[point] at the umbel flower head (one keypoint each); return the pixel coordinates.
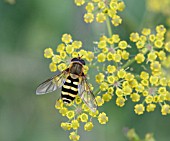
(100, 10)
(110, 60)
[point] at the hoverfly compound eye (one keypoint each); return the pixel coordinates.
(83, 62)
(74, 59)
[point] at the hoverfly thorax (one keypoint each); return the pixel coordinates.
(76, 69)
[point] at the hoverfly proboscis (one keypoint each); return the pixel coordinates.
(72, 82)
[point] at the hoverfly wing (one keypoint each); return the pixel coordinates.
(86, 95)
(51, 84)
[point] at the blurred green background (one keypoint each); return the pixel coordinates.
(26, 29)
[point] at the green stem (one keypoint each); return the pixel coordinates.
(109, 27)
(131, 61)
(128, 63)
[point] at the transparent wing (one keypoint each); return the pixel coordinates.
(86, 95)
(51, 84)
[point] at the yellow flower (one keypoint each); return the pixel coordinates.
(99, 100)
(145, 82)
(152, 56)
(119, 92)
(121, 73)
(79, 2)
(84, 117)
(165, 109)
(113, 4)
(139, 109)
(111, 69)
(155, 66)
(139, 88)
(59, 104)
(63, 111)
(66, 38)
(134, 37)
(66, 126)
(85, 68)
(74, 137)
(122, 44)
(140, 44)
(82, 53)
(60, 47)
(102, 44)
(144, 75)
(140, 58)
(88, 126)
(62, 66)
(106, 97)
(75, 124)
(101, 4)
(89, 56)
(74, 54)
(125, 55)
(53, 67)
(127, 90)
(129, 77)
(121, 6)
(117, 57)
(63, 54)
(110, 56)
(152, 37)
(100, 17)
(163, 81)
(146, 31)
(99, 77)
(149, 99)
(48, 53)
(88, 17)
(167, 46)
(77, 44)
(101, 57)
(120, 101)
(89, 7)
(70, 114)
(104, 86)
(93, 114)
(158, 43)
(102, 118)
(115, 38)
(150, 107)
(160, 29)
(56, 59)
(110, 90)
(162, 55)
(162, 90)
(116, 20)
(78, 100)
(69, 49)
(135, 97)
(111, 79)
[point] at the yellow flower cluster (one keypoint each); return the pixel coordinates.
(67, 50)
(112, 59)
(100, 10)
(81, 114)
(151, 87)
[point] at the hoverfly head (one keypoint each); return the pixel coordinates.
(78, 59)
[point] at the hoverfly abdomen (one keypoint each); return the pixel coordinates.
(70, 89)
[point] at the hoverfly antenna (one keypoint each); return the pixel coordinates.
(79, 57)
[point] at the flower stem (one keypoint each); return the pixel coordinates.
(109, 27)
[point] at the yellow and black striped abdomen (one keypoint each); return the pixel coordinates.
(69, 89)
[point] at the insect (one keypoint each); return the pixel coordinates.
(72, 82)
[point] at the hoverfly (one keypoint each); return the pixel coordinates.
(72, 82)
